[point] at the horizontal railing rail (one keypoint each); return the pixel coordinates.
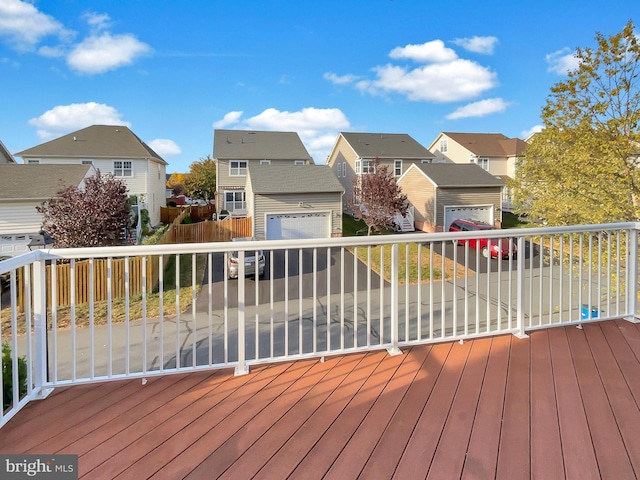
(299, 299)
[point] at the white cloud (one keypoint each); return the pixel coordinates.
(429, 52)
(23, 25)
(230, 118)
(165, 147)
(479, 109)
(63, 119)
(52, 52)
(444, 78)
(484, 45)
(439, 83)
(562, 61)
(317, 127)
(527, 133)
(339, 79)
(97, 21)
(100, 53)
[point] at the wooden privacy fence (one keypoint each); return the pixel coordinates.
(196, 212)
(82, 273)
(209, 231)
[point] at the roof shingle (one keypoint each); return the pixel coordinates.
(386, 145)
(267, 179)
(38, 182)
(257, 145)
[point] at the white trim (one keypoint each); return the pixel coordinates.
(395, 166)
(239, 168)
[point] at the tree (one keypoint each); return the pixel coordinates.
(200, 182)
(378, 198)
(584, 165)
(96, 215)
(176, 183)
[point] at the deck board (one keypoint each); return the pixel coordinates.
(563, 403)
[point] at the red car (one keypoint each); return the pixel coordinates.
(496, 247)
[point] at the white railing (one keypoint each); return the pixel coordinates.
(316, 298)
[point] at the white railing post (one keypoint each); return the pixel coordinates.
(520, 272)
(632, 276)
(242, 368)
(40, 329)
(394, 349)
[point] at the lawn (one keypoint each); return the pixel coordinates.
(351, 227)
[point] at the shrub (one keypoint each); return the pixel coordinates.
(7, 373)
(187, 219)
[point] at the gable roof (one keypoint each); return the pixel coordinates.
(489, 144)
(38, 182)
(111, 141)
(456, 175)
(258, 145)
(386, 145)
(267, 179)
(5, 155)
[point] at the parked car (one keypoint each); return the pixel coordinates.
(249, 261)
(496, 247)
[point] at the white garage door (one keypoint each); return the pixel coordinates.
(12, 245)
(482, 213)
(285, 226)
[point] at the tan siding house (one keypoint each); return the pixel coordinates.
(353, 152)
(443, 192)
(235, 150)
(111, 149)
(300, 202)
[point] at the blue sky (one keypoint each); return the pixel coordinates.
(173, 71)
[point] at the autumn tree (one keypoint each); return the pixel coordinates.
(378, 198)
(200, 182)
(92, 216)
(176, 183)
(584, 165)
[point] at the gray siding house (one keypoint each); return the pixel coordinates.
(294, 202)
(235, 150)
(443, 192)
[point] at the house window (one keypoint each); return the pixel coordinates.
(339, 170)
(299, 162)
(122, 168)
(238, 168)
(265, 162)
(344, 169)
(425, 160)
(234, 200)
(365, 166)
(397, 168)
(33, 162)
(87, 162)
(444, 145)
(484, 163)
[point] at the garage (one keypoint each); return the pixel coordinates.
(482, 213)
(285, 226)
(13, 245)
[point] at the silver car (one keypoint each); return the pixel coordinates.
(249, 261)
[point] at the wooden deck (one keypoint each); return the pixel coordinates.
(560, 404)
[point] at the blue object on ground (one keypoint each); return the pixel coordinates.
(585, 312)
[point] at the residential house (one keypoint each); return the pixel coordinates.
(235, 150)
(494, 152)
(294, 202)
(5, 155)
(111, 149)
(22, 188)
(443, 192)
(353, 154)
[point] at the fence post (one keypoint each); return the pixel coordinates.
(394, 349)
(632, 277)
(520, 272)
(40, 328)
(242, 368)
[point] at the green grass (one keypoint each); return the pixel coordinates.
(509, 220)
